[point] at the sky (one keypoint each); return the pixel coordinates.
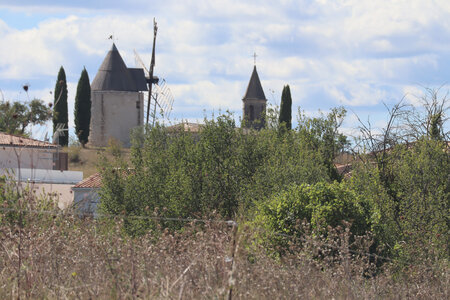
(360, 54)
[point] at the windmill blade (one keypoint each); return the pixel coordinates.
(163, 97)
(140, 63)
(59, 132)
(59, 127)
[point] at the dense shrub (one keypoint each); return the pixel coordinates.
(322, 134)
(422, 185)
(283, 160)
(320, 205)
(221, 169)
(280, 178)
(407, 196)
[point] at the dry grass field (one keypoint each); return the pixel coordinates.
(62, 257)
(86, 159)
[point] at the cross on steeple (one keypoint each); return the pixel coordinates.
(254, 58)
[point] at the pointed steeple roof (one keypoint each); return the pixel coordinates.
(254, 89)
(113, 74)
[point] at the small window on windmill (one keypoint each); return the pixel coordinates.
(138, 104)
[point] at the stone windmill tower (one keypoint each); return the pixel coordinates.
(117, 100)
(254, 103)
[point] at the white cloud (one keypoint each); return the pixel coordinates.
(413, 94)
(207, 93)
(352, 52)
(4, 28)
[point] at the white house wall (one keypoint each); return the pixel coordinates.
(29, 158)
(62, 193)
(43, 175)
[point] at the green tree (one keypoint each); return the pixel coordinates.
(406, 184)
(83, 108)
(286, 108)
(407, 199)
(16, 117)
(219, 170)
(421, 182)
(322, 135)
(435, 126)
(277, 161)
(60, 112)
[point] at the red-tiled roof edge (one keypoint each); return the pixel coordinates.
(20, 141)
(93, 181)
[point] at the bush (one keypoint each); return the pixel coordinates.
(74, 154)
(221, 170)
(278, 162)
(320, 205)
(407, 198)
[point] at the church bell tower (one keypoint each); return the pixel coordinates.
(254, 103)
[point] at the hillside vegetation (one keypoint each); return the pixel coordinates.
(254, 214)
(86, 159)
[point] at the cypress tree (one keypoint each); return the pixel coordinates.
(286, 108)
(83, 108)
(60, 112)
(435, 124)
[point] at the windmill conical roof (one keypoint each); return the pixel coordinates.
(254, 89)
(113, 74)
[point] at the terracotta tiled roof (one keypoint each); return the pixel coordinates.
(19, 141)
(93, 181)
(344, 170)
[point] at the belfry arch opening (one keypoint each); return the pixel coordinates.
(251, 113)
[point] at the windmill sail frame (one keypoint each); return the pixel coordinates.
(158, 90)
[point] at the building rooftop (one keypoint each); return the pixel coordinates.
(186, 126)
(254, 89)
(10, 140)
(93, 181)
(113, 75)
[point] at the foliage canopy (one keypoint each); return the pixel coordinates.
(15, 117)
